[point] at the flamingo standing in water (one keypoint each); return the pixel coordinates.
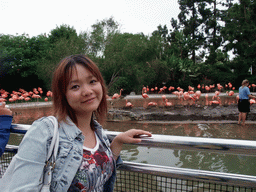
(116, 96)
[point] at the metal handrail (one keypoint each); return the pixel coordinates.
(244, 147)
(191, 174)
(233, 146)
(181, 173)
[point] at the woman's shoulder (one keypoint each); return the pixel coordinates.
(42, 126)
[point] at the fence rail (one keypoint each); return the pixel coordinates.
(146, 177)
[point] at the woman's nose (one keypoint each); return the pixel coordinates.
(86, 90)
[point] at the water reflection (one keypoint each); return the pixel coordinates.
(211, 130)
(190, 159)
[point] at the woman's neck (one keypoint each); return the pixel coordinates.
(84, 122)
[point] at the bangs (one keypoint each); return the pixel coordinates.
(69, 71)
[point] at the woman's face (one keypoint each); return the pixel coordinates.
(84, 91)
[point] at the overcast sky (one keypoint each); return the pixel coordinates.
(36, 17)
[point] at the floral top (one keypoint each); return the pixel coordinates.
(96, 168)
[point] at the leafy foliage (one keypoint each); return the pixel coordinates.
(190, 53)
(239, 33)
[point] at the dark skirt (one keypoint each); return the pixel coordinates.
(243, 105)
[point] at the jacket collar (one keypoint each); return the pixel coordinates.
(70, 129)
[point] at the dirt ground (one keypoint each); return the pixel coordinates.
(181, 113)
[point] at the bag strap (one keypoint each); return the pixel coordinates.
(53, 149)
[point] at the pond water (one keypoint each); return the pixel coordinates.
(181, 158)
(190, 159)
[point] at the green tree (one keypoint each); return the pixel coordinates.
(19, 58)
(21, 54)
(211, 12)
(239, 35)
(64, 41)
(130, 57)
(190, 22)
(101, 34)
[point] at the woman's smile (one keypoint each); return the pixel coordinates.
(88, 100)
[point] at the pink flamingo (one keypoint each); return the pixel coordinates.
(116, 96)
(219, 86)
(49, 94)
(216, 95)
(144, 90)
(252, 101)
(144, 95)
(207, 88)
(218, 101)
(230, 93)
(2, 100)
(161, 90)
(198, 94)
(128, 104)
(152, 104)
(168, 104)
(187, 96)
(206, 99)
(11, 100)
(237, 98)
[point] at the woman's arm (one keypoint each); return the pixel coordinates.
(30, 159)
(251, 96)
(131, 136)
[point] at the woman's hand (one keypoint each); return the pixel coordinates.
(4, 110)
(130, 136)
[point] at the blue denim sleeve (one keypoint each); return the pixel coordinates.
(5, 125)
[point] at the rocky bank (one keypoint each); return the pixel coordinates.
(180, 113)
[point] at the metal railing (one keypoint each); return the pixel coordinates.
(145, 177)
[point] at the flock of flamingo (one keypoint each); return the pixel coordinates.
(191, 94)
(23, 95)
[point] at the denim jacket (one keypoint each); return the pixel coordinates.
(31, 156)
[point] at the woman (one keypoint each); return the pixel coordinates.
(86, 160)
(5, 125)
(243, 102)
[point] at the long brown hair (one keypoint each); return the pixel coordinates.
(60, 81)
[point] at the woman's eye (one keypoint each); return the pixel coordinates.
(93, 81)
(74, 87)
